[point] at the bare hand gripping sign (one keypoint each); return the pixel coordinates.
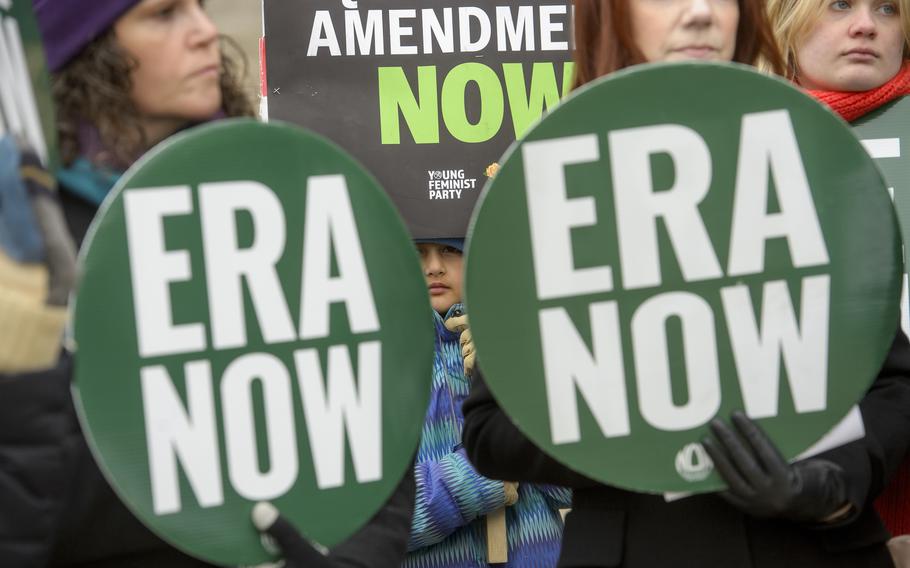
(425, 94)
(736, 250)
(252, 325)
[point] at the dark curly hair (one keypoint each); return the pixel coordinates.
(94, 88)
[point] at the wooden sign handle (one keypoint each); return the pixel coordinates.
(497, 539)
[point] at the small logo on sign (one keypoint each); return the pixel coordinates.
(448, 184)
(693, 462)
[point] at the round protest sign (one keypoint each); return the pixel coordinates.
(885, 133)
(252, 324)
(669, 245)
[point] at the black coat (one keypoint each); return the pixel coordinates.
(57, 510)
(617, 528)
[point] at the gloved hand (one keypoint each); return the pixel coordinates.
(762, 484)
(459, 324)
(37, 263)
(297, 551)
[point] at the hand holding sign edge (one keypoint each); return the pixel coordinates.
(761, 483)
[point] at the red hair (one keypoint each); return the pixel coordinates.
(604, 42)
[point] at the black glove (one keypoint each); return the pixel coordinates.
(297, 551)
(381, 543)
(761, 483)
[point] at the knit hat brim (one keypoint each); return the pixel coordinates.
(454, 243)
(67, 26)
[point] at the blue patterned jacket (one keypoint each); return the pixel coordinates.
(449, 529)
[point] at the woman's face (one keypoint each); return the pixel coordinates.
(442, 268)
(175, 46)
(856, 45)
(678, 30)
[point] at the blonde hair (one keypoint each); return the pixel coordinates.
(792, 20)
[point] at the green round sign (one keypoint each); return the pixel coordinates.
(671, 244)
(251, 325)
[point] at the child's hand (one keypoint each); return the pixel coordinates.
(511, 491)
(459, 324)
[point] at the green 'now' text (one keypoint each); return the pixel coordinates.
(421, 113)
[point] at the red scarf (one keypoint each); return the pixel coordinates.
(854, 105)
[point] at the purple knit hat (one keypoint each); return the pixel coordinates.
(67, 26)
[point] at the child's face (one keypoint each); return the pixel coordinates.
(442, 266)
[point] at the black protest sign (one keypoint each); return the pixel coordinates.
(426, 95)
